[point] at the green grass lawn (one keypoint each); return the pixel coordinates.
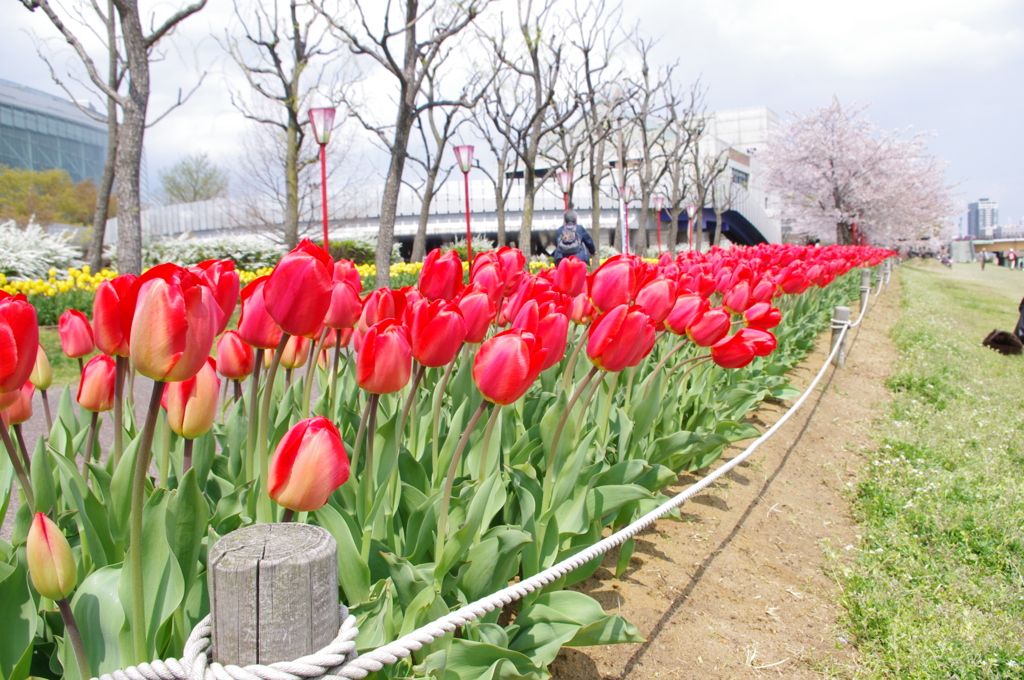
(937, 590)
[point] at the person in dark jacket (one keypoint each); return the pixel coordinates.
(572, 240)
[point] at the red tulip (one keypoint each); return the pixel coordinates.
(50, 561)
(19, 342)
(762, 341)
(384, 361)
(296, 350)
(549, 325)
(733, 352)
(255, 326)
(441, 276)
(764, 290)
(96, 390)
(762, 315)
(111, 328)
(21, 410)
(221, 277)
(489, 274)
(620, 338)
(737, 298)
(298, 292)
(530, 288)
(687, 310)
(235, 359)
(191, 404)
(345, 270)
(507, 364)
(513, 267)
(345, 306)
(710, 328)
(580, 310)
(309, 464)
(657, 297)
(174, 323)
(478, 311)
(613, 283)
(75, 334)
(437, 331)
(8, 399)
(571, 276)
(379, 305)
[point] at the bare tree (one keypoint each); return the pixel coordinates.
(406, 53)
(723, 193)
(502, 179)
(707, 163)
(676, 150)
(134, 105)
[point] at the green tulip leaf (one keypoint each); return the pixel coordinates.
(188, 515)
(92, 520)
(353, 573)
(42, 479)
(100, 617)
(468, 660)
(18, 613)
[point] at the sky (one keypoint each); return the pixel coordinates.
(948, 67)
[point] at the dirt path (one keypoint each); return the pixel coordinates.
(739, 589)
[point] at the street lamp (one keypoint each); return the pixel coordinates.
(464, 156)
(626, 194)
(691, 212)
(565, 184)
(322, 121)
(659, 205)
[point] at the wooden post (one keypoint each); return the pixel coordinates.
(273, 593)
(888, 270)
(840, 320)
(865, 287)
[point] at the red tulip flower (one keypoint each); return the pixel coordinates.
(687, 311)
(507, 364)
(733, 352)
(191, 404)
(235, 359)
(762, 341)
(296, 350)
(478, 311)
(379, 305)
(345, 270)
(174, 323)
(549, 325)
(255, 327)
(657, 297)
(613, 283)
(384, 361)
(8, 399)
(762, 315)
(346, 306)
(513, 267)
(620, 338)
(580, 310)
(221, 277)
(21, 410)
(441, 276)
(571, 276)
(75, 334)
(298, 292)
(712, 327)
(764, 290)
(737, 299)
(437, 331)
(309, 464)
(111, 328)
(19, 342)
(96, 390)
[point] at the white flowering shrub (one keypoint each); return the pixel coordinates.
(249, 251)
(31, 252)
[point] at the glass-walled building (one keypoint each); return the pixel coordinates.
(39, 131)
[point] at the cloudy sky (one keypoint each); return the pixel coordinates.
(951, 67)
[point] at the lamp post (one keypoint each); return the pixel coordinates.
(565, 184)
(691, 212)
(464, 156)
(322, 121)
(626, 194)
(659, 205)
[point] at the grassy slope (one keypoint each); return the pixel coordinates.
(938, 590)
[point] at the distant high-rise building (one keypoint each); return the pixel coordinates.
(982, 217)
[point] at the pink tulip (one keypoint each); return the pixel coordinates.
(96, 389)
(384, 361)
(308, 465)
(298, 292)
(191, 404)
(75, 334)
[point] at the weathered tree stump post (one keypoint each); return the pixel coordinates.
(865, 287)
(840, 320)
(273, 593)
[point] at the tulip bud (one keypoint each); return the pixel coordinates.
(96, 389)
(191, 404)
(737, 298)
(384, 361)
(581, 311)
(478, 311)
(732, 352)
(507, 364)
(571, 276)
(710, 328)
(50, 562)
(174, 324)
(657, 297)
(441, 276)
(255, 327)
(235, 359)
(298, 292)
(42, 373)
(222, 279)
(762, 315)
(613, 283)
(345, 306)
(437, 332)
(296, 350)
(513, 267)
(21, 410)
(309, 464)
(687, 310)
(111, 320)
(620, 338)
(75, 334)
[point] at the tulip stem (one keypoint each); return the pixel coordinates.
(186, 457)
(487, 441)
(333, 383)
(90, 445)
(138, 620)
(705, 358)
(437, 413)
(46, 411)
(24, 449)
(368, 476)
(359, 436)
(237, 390)
(81, 368)
(268, 395)
(449, 482)
(120, 368)
(75, 636)
(570, 368)
(606, 410)
(19, 469)
(661, 364)
(287, 515)
(556, 439)
(417, 376)
(254, 393)
(223, 401)
(287, 378)
(586, 400)
(307, 388)
(163, 462)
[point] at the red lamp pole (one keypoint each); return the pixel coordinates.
(464, 156)
(322, 121)
(659, 205)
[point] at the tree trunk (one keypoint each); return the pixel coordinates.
(526, 224)
(640, 242)
(291, 183)
(673, 230)
(100, 214)
(717, 238)
(596, 168)
(844, 234)
(419, 242)
(499, 208)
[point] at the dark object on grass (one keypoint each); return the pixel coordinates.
(1003, 342)
(1019, 330)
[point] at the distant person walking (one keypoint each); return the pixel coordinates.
(572, 240)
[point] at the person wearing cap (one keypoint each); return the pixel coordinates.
(572, 240)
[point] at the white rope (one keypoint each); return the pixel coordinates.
(340, 659)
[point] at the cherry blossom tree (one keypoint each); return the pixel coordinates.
(837, 170)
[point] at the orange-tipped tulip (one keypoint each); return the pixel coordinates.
(50, 562)
(308, 465)
(620, 338)
(21, 410)
(191, 404)
(507, 364)
(235, 359)
(295, 352)
(174, 323)
(111, 319)
(75, 334)
(96, 390)
(42, 373)
(298, 292)
(384, 361)
(19, 338)
(255, 326)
